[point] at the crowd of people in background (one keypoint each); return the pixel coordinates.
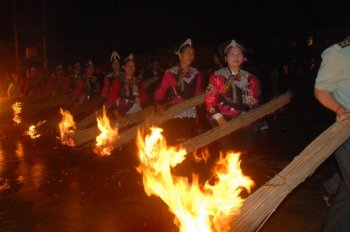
(126, 86)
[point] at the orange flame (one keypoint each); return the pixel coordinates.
(207, 207)
(67, 128)
(17, 108)
(107, 136)
(32, 132)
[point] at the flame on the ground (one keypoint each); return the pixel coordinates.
(32, 131)
(17, 108)
(67, 128)
(197, 207)
(108, 134)
(201, 156)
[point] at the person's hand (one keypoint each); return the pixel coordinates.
(222, 122)
(219, 118)
(342, 114)
(212, 110)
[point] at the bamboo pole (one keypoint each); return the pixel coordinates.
(158, 119)
(5, 104)
(88, 134)
(8, 99)
(122, 122)
(260, 205)
(236, 123)
(85, 122)
(29, 108)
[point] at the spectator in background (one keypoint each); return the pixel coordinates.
(152, 77)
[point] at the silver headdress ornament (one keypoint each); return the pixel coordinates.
(130, 57)
(187, 42)
(114, 56)
(233, 43)
(76, 65)
(88, 63)
(59, 66)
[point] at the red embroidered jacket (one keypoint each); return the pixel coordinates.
(124, 93)
(231, 94)
(177, 86)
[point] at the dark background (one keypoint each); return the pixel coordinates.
(82, 30)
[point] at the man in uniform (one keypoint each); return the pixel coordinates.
(332, 90)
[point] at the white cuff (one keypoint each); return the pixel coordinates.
(217, 116)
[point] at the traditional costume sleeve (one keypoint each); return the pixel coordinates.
(78, 91)
(50, 85)
(113, 95)
(254, 91)
(216, 83)
(67, 84)
(198, 84)
(168, 81)
(106, 87)
(143, 94)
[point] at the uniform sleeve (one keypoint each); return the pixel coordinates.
(331, 67)
(168, 81)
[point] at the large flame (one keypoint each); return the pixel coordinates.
(32, 132)
(207, 207)
(67, 128)
(17, 108)
(107, 136)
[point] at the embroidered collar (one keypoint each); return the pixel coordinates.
(181, 74)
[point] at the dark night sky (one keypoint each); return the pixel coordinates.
(100, 26)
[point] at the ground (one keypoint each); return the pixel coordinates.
(45, 186)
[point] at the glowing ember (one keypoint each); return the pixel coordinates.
(207, 207)
(32, 132)
(67, 128)
(107, 136)
(17, 108)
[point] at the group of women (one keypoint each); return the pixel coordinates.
(230, 91)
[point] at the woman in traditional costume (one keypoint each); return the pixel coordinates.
(231, 90)
(127, 95)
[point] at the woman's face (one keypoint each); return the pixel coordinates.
(115, 66)
(77, 70)
(235, 57)
(130, 68)
(90, 70)
(187, 56)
